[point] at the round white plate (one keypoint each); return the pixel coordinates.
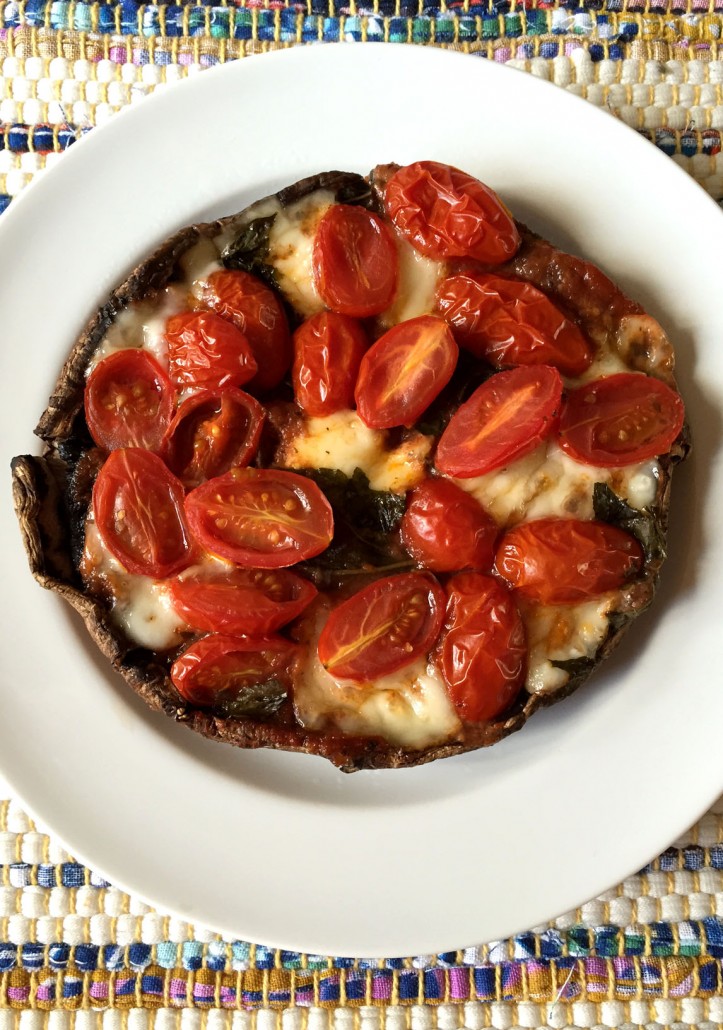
(283, 849)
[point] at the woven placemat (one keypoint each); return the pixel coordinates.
(77, 952)
(645, 953)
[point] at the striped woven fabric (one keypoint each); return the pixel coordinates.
(649, 950)
(77, 952)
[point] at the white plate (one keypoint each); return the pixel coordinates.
(284, 849)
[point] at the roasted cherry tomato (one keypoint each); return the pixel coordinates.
(564, 561)
(328, 349)
(383, 627)
(204, 350)
(261, 518)
(138, 509)
(509, 322)
(403, 372)
(482, 654)
(445, 213)
(355, 261)
(219, 669)
(253, 308)
(620, 420)
(128, 401)
(504, 419)
(445, 529)
(211, 433)
(231, 600)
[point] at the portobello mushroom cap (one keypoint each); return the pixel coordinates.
(52, 491)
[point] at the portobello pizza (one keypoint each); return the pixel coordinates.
(369, 470)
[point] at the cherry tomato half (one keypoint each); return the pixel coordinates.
(128, 401)
(138, 509)
(219, 668)
(620, 420)
(253, 308)
(328, 349)
(482, 654)
(204, 350)
(403, 372)
(355, 261)
(510, 322)
(261, 518)
(504, 419)
(445, 529)
(211, 433)
(565, 561)
(232, 600)
(383, 627)
(446, 213)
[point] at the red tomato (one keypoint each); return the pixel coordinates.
(128, 401)
(355, 261)
(383, 627)
(510, 322)
(483, 651)
(445, 529)
(219, 668)
(404, 371)
(565, 561)
(620, 420)
(504, 419)
(204, 350)
(445, 213)
(232, 600)
(211, 433)
(253, 308)
(328, 349)
(261, 518)
(138, 509)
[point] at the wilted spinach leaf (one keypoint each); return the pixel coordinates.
(608, 507)
(260, 701)
(250, 250)
(576, 668)
(363, 521)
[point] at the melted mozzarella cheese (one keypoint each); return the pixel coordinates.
(291, 244)
(417, 283)
(560, 633)
(549, 483)
(142, 606)
(409, 707)
(143, 325)
(342, 441)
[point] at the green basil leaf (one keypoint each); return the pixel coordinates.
(249, 251)
(639, 522)
(259, 701)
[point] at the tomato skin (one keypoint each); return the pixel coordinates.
(206, 351)
(445, 529)
(256, 311)
(328, 349)
(245, 601)
(138, 509)
(509, 322)
(128, 401)
(566, 561)
(212, 432)
(355, 261)
(506, 417)
(482, 654)
(446, 213)
(218, 667)
(403, 372)
(383, 627)
(620, 420)
(261, 518)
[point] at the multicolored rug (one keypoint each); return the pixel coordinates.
(74, 950)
